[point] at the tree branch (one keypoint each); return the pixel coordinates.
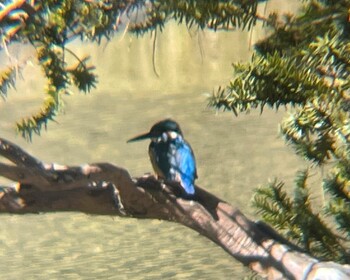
(105, 189)
(6, 9)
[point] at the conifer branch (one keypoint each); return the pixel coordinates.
(296, 220)
(7, 80)
(50, 25)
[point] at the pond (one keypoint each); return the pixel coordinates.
(234, 156)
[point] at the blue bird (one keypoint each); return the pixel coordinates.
(171, 156)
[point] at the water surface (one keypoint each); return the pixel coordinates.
(234, 156)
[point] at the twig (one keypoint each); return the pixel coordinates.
(154, 53)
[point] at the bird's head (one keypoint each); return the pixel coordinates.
(164, 128)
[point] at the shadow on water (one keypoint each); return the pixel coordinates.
(233, 154)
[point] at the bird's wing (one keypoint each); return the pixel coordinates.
(185, 167)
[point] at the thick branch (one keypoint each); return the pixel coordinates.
(103, 188)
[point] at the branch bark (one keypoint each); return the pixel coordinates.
(105, 189)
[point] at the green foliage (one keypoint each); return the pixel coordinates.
(269, 80)
(294, 217)
(207, 14)
(50, 25)
(7, 80)
(337, 184)
(304, 65)
(34, 124)
(82, 75)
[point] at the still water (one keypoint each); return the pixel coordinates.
(234, 156)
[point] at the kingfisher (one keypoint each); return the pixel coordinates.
(171, 156)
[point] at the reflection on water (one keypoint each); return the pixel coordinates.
(233, 154)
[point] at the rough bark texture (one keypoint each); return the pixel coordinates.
(105, 189)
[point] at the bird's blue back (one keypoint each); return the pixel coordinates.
(173, 159)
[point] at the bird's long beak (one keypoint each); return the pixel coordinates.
(140, 137)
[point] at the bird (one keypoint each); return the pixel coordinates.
(171, 155)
